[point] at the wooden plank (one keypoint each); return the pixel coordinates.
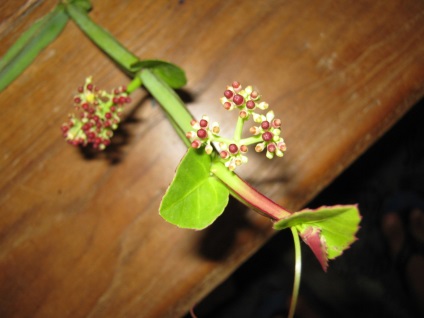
(80, 235)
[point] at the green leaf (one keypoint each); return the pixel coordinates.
(168, 72)
(327, 230)
(195, 198)
(22, 41)
(30, 43)
(83, 4)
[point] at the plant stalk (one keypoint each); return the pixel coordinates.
(297, 272)
(245, 193)
(102, 38)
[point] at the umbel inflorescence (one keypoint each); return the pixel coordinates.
(265, 134)
(98, 113)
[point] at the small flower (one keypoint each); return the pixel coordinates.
(215, 128)
(98, 113)
(208, 148)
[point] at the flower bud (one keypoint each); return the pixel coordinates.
(196, 144)
(260, 147)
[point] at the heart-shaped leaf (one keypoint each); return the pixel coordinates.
(328, 231)
(195, 198)
(168, 72)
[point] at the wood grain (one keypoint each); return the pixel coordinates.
(80, 234)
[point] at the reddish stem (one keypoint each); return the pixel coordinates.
(247, 194)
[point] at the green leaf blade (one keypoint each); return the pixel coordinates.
(195, 199)
(30, 44)
(328, 231)
(83, 4)
(22, 41)
(170, 73)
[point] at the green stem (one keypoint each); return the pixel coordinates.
(168, 99)
(251, 140)
(221, 139)
(177, 129)
(102, 38)
(239, 129)
(297, 272)
(134, 84)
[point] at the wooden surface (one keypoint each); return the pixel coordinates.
(80, 234)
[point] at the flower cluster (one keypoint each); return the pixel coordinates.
(232, 151)
(269, 130)
(97, 115)
(204, 133)
(245, 100)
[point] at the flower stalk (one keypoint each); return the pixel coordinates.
(244, 192)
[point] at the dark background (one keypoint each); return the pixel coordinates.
(364, 282)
